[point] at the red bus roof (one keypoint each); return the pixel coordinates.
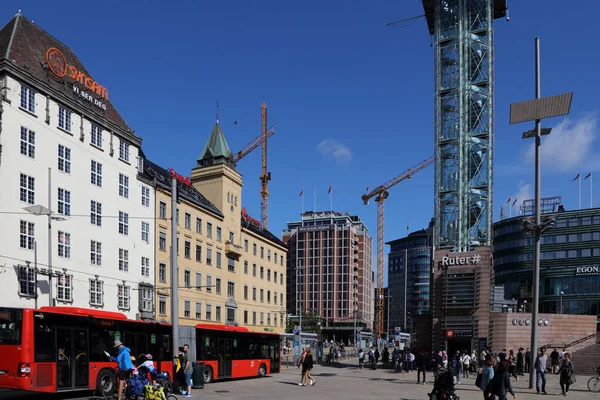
(87, 312)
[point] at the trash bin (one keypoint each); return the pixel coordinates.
(198, 375)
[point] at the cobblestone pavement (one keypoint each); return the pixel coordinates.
(347, 382)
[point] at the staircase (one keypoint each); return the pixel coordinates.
(587, 359)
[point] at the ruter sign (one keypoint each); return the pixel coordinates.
(59, 67)
(453, 259)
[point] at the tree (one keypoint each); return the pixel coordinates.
(310, 323)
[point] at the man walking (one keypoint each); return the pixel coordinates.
(123, 358)
(187, 369)
(421, 365)
(540, 371)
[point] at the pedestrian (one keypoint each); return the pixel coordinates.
(466, 364)
(123, 359)
(361, 358)
(301, 364)
(187, 369)
(487, 374)
(456, 365)
(520, 360)
(437, 362)
(540, 370)
(376, 356)
(567, 375)
(307, 366)
(500, 385)
(512, 364)
(527, 360)
(554, 361)
(421, 365)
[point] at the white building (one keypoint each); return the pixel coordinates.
(55, 117)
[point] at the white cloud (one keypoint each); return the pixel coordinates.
(568, 148)
(524, 192)
(338, 151)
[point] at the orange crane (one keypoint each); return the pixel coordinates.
(381, 193)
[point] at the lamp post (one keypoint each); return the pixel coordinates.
(561, 303)
(536, 110)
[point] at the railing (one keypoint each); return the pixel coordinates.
(290, 360)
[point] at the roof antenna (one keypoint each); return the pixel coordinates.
(217, 111)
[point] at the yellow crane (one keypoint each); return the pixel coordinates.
(381, 193)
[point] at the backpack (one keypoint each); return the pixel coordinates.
(136, 385)
(478, 380)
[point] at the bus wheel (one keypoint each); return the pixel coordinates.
(106, 383)
(262, 371)
(208, 374)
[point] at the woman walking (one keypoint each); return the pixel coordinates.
(567, 377)
(308, 366)
(512, 364)
(500, 385)
(487, 374)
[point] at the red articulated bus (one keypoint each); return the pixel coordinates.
(61, 349)
(236, 352)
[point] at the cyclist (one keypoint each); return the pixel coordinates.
(123, 358)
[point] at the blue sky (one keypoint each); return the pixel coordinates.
(351, 99)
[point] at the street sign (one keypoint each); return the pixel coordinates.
(397, 329)
(296, 331)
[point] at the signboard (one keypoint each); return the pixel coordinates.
(313, 228)
(449, 333)
(454, 259)
(248, 218)
(547, 205)
(588, 270)
(397, 329)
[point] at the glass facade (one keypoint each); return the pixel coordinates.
(569, 266)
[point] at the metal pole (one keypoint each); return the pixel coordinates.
(35, 265)
(405, 285)
(388, 316)
(536, 259)
(50, 294)
(174, 269)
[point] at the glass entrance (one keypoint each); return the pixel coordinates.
(274, 356)
(72, 362)
(224, 355)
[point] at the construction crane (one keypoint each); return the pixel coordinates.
(265, 177)
(252, 145)
(381, 193)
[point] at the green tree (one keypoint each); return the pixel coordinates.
(310, 323)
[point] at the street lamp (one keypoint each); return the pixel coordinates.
(561, 303)
(536, 110)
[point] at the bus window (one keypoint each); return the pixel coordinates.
(44, 345)
(165, 348)
(100, 341)
(11, 321)
(208, 348)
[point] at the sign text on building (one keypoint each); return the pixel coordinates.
(452, 259)
(248, 218)
(588, 270)
(183, 179)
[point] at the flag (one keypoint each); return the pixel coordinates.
(577, 177)
(301, 192)
(502, 212)
(587, 176)
(329, 191)
(508, 201)
(368, 187)
(514, 202)
(235, 122)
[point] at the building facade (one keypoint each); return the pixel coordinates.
(329, 269)
(409, 278)
(231, 269)
(76, 221)
(569, 265)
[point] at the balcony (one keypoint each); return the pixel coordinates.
(233, 250)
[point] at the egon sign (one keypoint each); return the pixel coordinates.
(59, 67)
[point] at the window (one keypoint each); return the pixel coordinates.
(27, 281)
(162, 272)
(145, 232)
(281, 260)
(96, 173)
(162, 241)
(275, 258)
(27, 193)
(176, 215)
(162, 305)
(146, 299)
(187, 251)
(218, 233)
(231, 237)
(123, 294)
(254, 270)
(269, 274)
(218, 314)
(230, 315)
(27, 238)
(245, 292)
(27, 142)
(208, 283)
(95, 252)
(209, 256)
(253, 317)
(246, 267)
(246, 245)
(95, 213)
(275, 276)
(280, 298)
(275, 297)
(64, 286)
(208, 312)
(145, 196)
(281, 278)
(253, 248)
(64, 202)
(96, 292)
(198, 253)
(218, 285)
(188, 221)
(262, 252)
(262, 272)
(124, 151)
(186, 309)
(246, 317)
(123, 223)
(163, 210)
(262, 318)
(268, 255)
(269, 319)
(230, 289)
(269, 296)
(254, 293)
(198, 310)
(96, 136)
(218, 259)
(64, 244)
(123, 186)
(27, 98)
(145, 266)
(187, 278)
(198, 281)
(209, 229)
(64, 118)
(262, 295)
(230, 264)
(123, 260)
(198, 225)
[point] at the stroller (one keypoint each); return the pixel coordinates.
(443, 387)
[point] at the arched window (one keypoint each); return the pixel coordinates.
(228, 197)
(235, 200)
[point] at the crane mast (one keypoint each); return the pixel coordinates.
(381, 193)
(265, 176)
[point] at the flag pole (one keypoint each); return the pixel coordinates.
(580, 192)
(591, 192)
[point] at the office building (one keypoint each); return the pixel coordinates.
(329, 261)
(76, 221)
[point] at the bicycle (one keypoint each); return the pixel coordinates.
(150, 391)
(594, 382)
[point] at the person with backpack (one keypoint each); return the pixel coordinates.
(123, 359)
(485, 376)
(500, 384)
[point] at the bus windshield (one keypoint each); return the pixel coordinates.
(11, 321)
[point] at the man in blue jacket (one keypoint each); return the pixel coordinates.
(123, 358)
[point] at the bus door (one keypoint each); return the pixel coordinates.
(224, 356)
(274, 356)
(72, 361)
